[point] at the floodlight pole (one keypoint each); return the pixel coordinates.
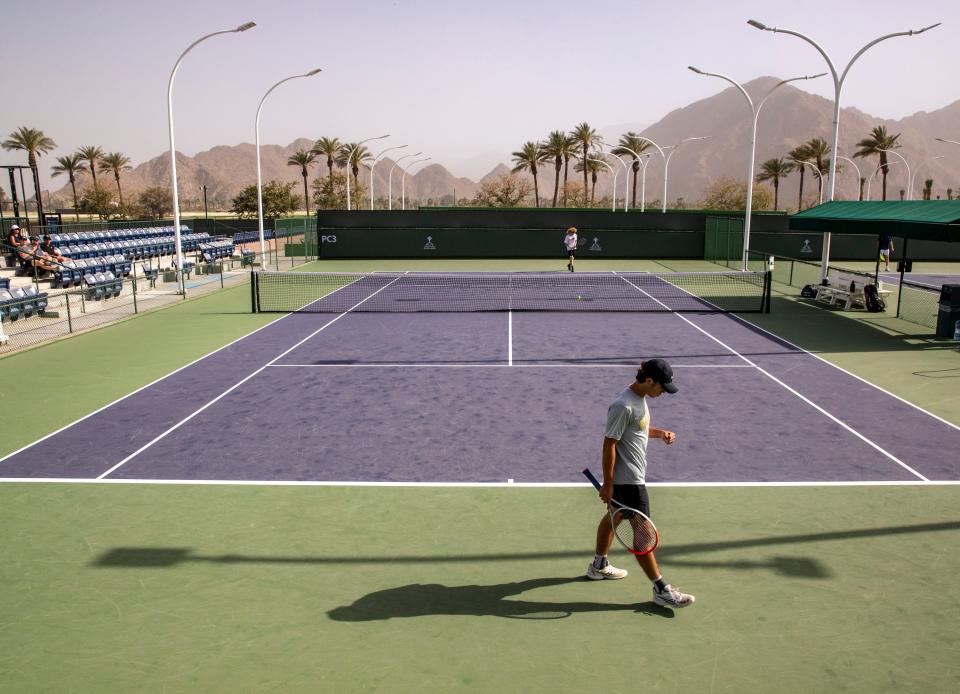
(403, 181)
(755, 112)
(375, 160)
(666, 164)
(913, 183)
(390, 178)
(837, 87)
(350, 162)
(643, 177)
(626, 187)
(613, 207)
(173, 151)
(819, 175)
(854, 165)
(874, 175)
(263, 250)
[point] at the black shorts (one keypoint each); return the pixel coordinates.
(570, 252)
(634, 496)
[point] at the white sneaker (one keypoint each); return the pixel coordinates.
(671, 597)
(608, 571)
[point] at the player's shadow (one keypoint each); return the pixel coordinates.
(422, 600)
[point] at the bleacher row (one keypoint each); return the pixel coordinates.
(22, 301)
(136, 249)
(72, 272)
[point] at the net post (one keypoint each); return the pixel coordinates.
(767, 286)
(253, 292)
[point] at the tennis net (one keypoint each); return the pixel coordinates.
(412, 292)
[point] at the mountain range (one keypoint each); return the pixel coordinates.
(789, 118)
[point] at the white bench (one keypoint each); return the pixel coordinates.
(847, 288)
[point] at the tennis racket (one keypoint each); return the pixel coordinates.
(638, 534)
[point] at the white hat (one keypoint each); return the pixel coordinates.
(14, 226)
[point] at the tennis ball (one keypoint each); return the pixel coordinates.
(578, 297)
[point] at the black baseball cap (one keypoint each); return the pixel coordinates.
(659, 370)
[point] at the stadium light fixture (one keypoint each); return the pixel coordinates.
(350, 157)
(178, 251)
(837, 87)
(263, 250)
(755, 113)
(390, 177)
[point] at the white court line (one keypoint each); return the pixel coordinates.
(466, 485)
(510, 338)
(840, 368)
(807, 400)
(152, 383)
(631, 365)
(241, 382)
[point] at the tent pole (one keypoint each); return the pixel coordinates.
(903, 269)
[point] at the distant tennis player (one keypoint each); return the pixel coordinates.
(570, 241)
(624, 472)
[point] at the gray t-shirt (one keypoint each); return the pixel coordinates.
(628, 421)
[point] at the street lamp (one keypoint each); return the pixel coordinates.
(613, 207)
(626, 176)
(263, 252)
(403, 181)
(643, 178)
(666, 163)
(952, 142)
(375, 160)
(854, 165)
(819, 175)
(909, 175)
(874, 175)
(390, 178)
(837, 86)
(914, 181)
(350, 161)
(755, 112)
(173, 152)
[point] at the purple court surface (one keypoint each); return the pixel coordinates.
(490, 397)
(931, 282)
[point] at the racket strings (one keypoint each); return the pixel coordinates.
(636, 533)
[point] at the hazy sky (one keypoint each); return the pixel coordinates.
(467, 82)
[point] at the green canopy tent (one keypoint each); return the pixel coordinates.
(929, 220)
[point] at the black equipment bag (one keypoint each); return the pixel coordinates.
(872, 299)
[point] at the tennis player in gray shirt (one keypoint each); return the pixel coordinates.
(624, 472)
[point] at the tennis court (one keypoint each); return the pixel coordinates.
(390, 499)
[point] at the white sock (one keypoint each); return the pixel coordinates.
(600, 561)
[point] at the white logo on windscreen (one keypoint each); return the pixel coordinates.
(428, 246)
(328, 239)
(806, 247)
(596, 244)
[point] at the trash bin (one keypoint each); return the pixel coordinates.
(949, 312)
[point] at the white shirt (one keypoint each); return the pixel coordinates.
(570, 241)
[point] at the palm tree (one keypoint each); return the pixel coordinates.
(594, 167)
(115, 162)
(774, 170)
(529, 158)
(928, 189)
(800, 153)
(557, 147)
(632, 141)
(878, 141)
(585, 138)
(353, 155)
(34, 142)
(329, 147)
(92, 155)
(70, 164)
(818, 150)
(303, 159)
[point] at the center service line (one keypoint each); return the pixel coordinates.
(509, 338)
